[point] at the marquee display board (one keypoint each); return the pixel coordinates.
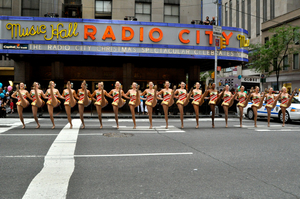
(66, 36)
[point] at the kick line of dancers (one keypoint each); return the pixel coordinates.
(83, 97)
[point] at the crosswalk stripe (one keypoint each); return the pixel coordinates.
(59, 164)
(12, 123)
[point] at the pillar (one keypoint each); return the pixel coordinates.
(194, 75)
(157, 13)
(57, 74)
(88, 9)
(127, 76)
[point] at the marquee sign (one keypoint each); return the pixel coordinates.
(117, 38)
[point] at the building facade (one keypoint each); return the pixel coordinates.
(255, 16)
(289, 76)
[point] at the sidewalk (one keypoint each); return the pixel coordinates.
(94, 114)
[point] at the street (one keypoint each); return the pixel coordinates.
(223, 162)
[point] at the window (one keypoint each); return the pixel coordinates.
(226, 14)
(171, 13)
(103, 6)
(30, 8)
(272, 9)
(143, 11)
(230, 12)
(5, 7)
(257, 17)
(266, 41)
(285, 62)
(249, 17)
(296, 36)
(243, 14)
(265, 16)
(237, 13)
(296, 61)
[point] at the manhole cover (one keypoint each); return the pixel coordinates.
(118, 135)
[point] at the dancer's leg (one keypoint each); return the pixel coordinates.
(38, 101)
(150, 115)
(283, 116)
(54, 100)
(132, 107)
(99, 111)
(68, 111)
(72, 101)
(291, 98)
(226, 115)
(81, 110)
(180, 107)
(165, 107)
(241, 116)
(212, 108)
(50, 111)
(154, 101)
(196, 108)
(116, 109)
(20, 111)
(86, 100)
(255, 115)
(24, 103)
(34, 112)
(269, 115)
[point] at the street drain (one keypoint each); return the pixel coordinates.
(118, 135)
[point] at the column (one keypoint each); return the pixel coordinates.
(194, 75)
(88, 9)
(57, 74)
(157, 13)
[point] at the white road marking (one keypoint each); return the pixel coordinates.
(28, 134)
(133, 155)
(135, 132)
(11, 123)
(175, 131)
(53, 180)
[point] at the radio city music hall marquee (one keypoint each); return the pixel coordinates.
(117, 38)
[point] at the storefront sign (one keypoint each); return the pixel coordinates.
(111, 36)
(15, 46)
(251, 79)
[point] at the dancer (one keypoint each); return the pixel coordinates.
(286, 101)
(22, 103)
(69, 94)
(134, 100)
(271, 103)
(243, 102)
(228, 100)
(151, 100)
(214, 99)
(52, 93)
(84, 100)
(168, 99)
(183, 99)
(117, 94)
(37, 102)
(198, 100)
(101, 102)
(257, 100)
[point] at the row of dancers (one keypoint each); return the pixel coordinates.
(84, 97)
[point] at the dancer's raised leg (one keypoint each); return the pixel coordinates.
(54, 100)
(72, 101)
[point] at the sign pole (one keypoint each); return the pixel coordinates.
(216, 55)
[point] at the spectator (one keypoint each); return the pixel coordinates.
(11, 104)
(140, 108)
(207, 22)
(213, 21)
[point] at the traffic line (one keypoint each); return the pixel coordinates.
(59, 164)
(132, 155)
(10, 123)
(28, 134)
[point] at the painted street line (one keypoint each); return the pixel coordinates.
(133, 155)
(59, 164)
(28, 134)
(11, 123)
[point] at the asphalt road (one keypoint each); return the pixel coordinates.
(223, 162)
